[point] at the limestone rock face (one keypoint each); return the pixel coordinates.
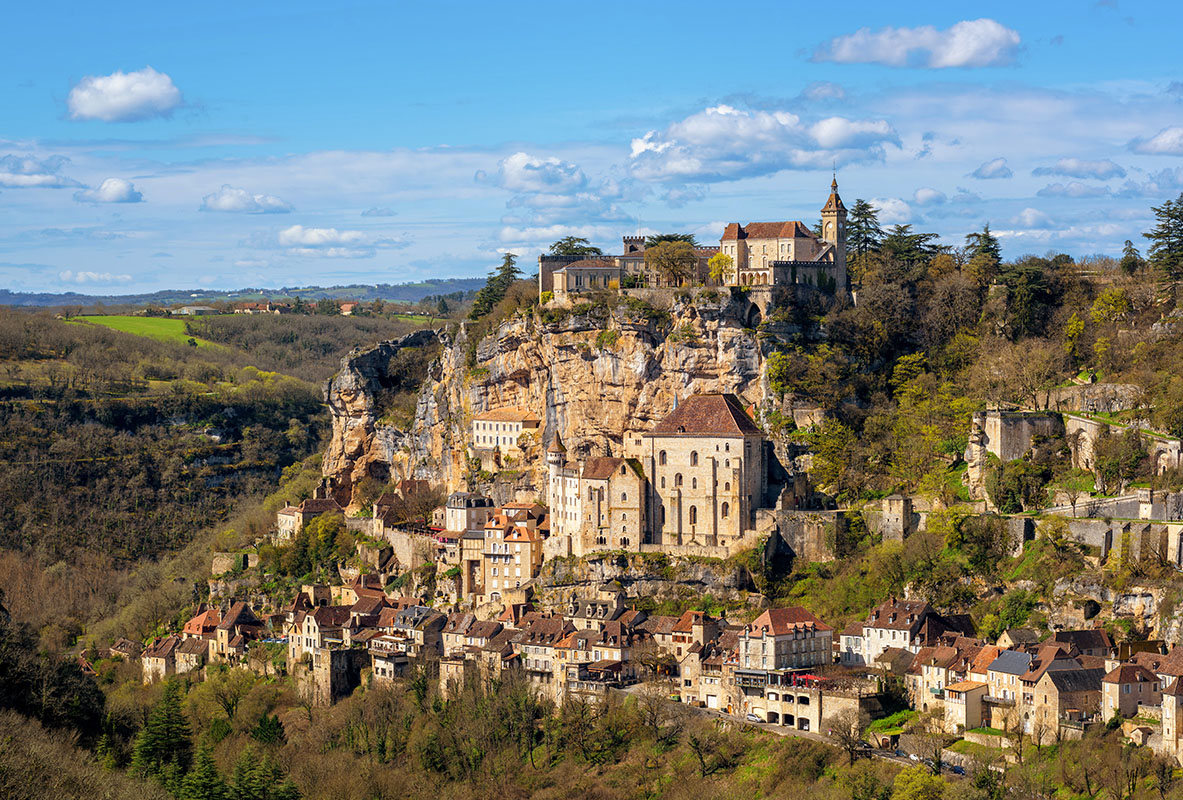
(590, 375)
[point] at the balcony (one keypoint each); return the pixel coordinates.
(998, 701)
(936, 692)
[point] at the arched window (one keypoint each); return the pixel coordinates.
(661, 458)
(694, 458)
(693, 515)
(678, 479)
(624, 497)
(727, 486)
(725, 510)
(694, 483)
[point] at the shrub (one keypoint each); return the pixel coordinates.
(607, 339)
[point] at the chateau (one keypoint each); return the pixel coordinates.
(763, 254)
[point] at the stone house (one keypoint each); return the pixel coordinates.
(514, 537)
(202, 626)
(1065, 694)
(125, 649)
(237, 629)
(191, 655)
(894, 623)
(454, 636)
(421, 631)
(324, 626)
(595, 503)
(160, 660)
(1171, 742)
(535, 646)
(290, 519)
(1125, 689)
(1093, 642)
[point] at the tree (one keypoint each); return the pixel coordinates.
(722, 268)
(673, 261)
(1131, 259)
(846, 729)
(496, 285)
(574, 246)
(1111, 306)
(1166, 243)
(203, 782)
(163, 747)
(917, 783)
(661, 238)
(863, 234)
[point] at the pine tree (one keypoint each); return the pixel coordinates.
(1166, 243)
(496, 285)
(163, 747)
(863, 234)
(985, 254)
(1131, 259)
(203, 781)
(260, 779)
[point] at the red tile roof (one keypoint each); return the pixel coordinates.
(784, 621)
(792, 229)
(1130, 673)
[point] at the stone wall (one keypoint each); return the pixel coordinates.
(810, 535)
(1095, 398)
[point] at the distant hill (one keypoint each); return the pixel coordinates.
(398, 292)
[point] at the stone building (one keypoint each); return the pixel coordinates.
(707, 473)
(1125, 689)
(513, 542)
(596, 503)
(290, 519)
(501, 428)
(785, 638)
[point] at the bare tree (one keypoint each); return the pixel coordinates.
(847, 728)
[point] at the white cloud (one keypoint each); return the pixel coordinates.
(83, 276)
(26, 172)
(965, 196)
(1078, 168)
(111, 190)
(1073, 189)
(376, 211)
(970, 43)
(522, 172)
(1032, 218)
(996, 168)
(725, 143)
(1167, 142)
(1163, 182)
(251, 263)
(925, 196)
(299, 236)
(239, 201)
(892, 210)
(124, 96)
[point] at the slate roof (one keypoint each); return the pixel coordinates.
(193, 647)
(239, 614)
(1093, 639)
(332, 616)
(711, 414)
(906, 614)
(1011, 662)
(1077, 680)
(601, 468)
(162, 648)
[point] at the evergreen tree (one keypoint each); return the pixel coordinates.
(163, 747)
(1166, 242)
(203, 781)
(984, 254)
(260, 779)
(496, 285)
(863, 234)
(1131, 259)
(575, 246)
(653, 241)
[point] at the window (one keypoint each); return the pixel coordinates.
(678, 479)
(693, 515)
(661, 458)
(624, 497)
(727, 486)
(694, 458)
(694, 483)
(726, 510)
(662, 481)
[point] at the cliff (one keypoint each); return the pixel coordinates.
(591, 373)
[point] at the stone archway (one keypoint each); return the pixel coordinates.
(754, 317)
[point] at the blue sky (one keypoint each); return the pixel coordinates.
(145, 146)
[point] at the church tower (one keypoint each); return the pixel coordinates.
(834, 232)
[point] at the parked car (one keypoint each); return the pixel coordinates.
(957, 769)
(753, 718)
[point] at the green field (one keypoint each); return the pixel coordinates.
(163, 329)
(420, 318)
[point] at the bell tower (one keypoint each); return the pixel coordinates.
(834, 232)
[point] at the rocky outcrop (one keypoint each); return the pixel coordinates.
(649, 576)
(591, 373)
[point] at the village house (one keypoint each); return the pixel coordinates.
(290, 519)
(535, 645)
(321, 627)
(1125, 689)
(514, 537)
(237, 629)
(1094, 642)
(191, 655)
(501, 429)
(203, 626)
(1065, 696)
(963, 705)
(125, 649)
(785, 639)
(894, 623)
(160, 660)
